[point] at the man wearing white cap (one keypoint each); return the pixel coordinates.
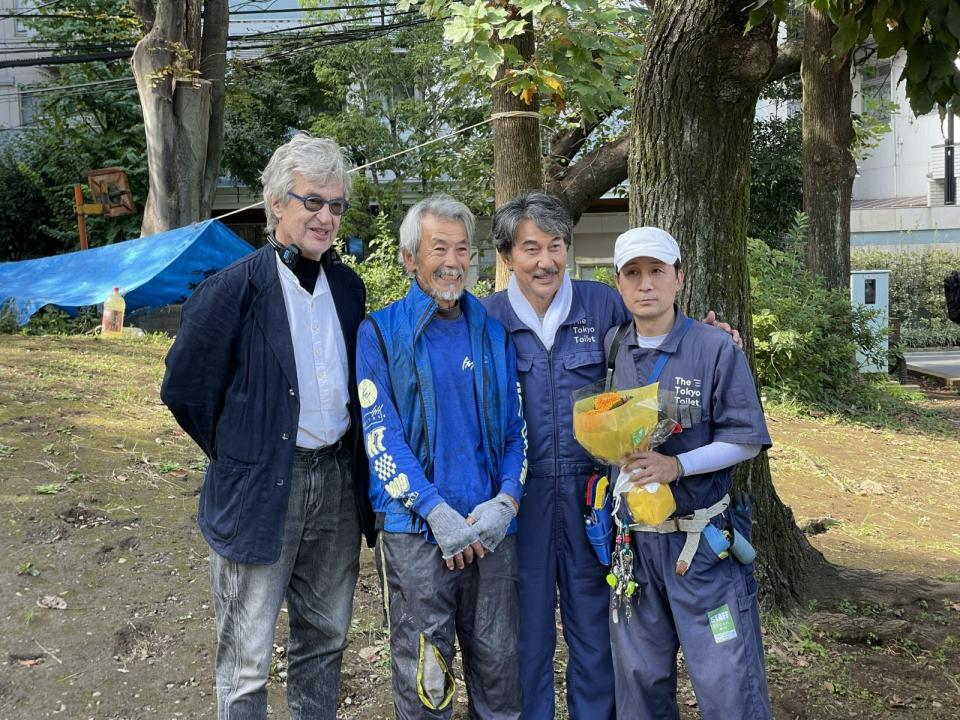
(694, 590)
(557, 326)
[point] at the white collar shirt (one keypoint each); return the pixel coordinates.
(321, 357)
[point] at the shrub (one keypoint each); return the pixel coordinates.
(384, 276)
(916, 292)
(805, 336)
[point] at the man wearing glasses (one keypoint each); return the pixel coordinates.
(261, 376)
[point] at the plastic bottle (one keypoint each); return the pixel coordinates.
(113, 309)
(650, 504)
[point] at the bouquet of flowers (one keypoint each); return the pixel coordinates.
(610, 424)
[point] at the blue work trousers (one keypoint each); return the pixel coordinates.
(554, 553)
(711, 612)
(316, 573)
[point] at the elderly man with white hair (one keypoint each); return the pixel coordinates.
(446, 441)
(261, 377)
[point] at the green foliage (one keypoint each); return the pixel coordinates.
(776, 178)
(23, 212)
(928, 30)
(79, 128)
(384, 276)
(392, 93)
(264, 100)
(587, 50)
(805, 337)
(606, 276)
(49, 489)
(49, 320)
(916, 292)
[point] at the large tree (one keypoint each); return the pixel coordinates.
(179, 66)
(927, 30)
(695, 102)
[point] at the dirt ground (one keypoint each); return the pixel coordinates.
(104, 596)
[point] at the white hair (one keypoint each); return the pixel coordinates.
(318, 160)
(440, 206)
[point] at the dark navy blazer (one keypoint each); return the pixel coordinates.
(231, 384)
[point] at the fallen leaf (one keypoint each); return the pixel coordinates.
(179, 474)
(370, 652)
(53, 602)
(870, 487)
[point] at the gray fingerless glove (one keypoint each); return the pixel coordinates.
(492, 519)
(451, 530)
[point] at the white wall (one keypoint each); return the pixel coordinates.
(898, 167)
(12, 79)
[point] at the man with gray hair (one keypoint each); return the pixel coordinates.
(446, 441)
(261, 377)
(557, 326)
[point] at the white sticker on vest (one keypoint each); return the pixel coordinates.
(368, 392)
(375, 442)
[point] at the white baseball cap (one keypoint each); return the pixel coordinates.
(645, 242)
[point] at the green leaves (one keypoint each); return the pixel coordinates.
(586, 50)
(49, 489)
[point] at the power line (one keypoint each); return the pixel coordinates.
(265, 11)
(283, 46)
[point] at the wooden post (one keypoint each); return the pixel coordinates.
(81, 218)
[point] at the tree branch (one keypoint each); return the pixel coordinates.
(787, 62)
(590, 177)
(567, 143)
(145, 10)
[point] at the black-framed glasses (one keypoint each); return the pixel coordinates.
(315, 203)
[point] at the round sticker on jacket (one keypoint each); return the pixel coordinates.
(368, 393)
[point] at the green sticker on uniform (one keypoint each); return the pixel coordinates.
(721, 624)
(637, 437)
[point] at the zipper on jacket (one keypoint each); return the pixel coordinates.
(424, 319)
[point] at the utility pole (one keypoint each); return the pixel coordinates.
(949, 173)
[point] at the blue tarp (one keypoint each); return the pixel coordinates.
(151, 271)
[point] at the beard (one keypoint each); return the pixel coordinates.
(447, 295)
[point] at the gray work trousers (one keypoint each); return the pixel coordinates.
(429, 607)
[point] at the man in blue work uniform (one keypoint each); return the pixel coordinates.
(557, 325)
(446, 441)
(691, 591)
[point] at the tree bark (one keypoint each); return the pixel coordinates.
(591, 176)
(517, 164)
(828, 164)
(179, 106)
(697, 89)
(213, 68)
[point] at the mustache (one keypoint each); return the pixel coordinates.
(539, 274)
(448, 274)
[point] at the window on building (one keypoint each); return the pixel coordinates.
(23, 6)
(875, 88)
(31, 107)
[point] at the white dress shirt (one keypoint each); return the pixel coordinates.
(321, 356)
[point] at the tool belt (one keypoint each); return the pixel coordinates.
(692, 525)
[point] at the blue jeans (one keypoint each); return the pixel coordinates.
(316, 573)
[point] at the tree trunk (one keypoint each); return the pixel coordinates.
(516, 143)
(213, 68)
(177, 105)
(828, 164)
(697, 90)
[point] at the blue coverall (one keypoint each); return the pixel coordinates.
(552, 546)
(711, 611)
